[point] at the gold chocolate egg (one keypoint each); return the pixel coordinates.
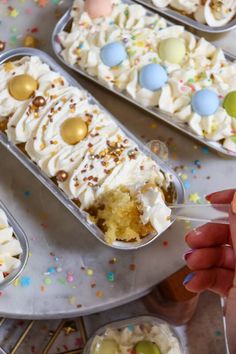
(22, 87)
(61, 176)
(39, 101)
(73, 130)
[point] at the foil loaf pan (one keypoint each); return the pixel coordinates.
(188, 21)
(65, 24)
(21, 237)
(177, 190)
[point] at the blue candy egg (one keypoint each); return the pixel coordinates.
(113, 54)
(205, 102)
(152, 77)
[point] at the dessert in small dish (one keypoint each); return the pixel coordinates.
(134, 52)
(140, 335)
(13, 248)
(82, 148)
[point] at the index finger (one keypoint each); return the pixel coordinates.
(208, 235)
(221, 197)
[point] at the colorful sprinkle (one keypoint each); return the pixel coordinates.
(197, 163)
(89, 272)
(186, 184)
(72, 300)
(25, 281)
(51, 270)
(99, 293)
(184, 176)
(113, 260)
(194, 197)
(47, 281)
(132, 267)
(111, 276)
(70, 278)
(27, 194)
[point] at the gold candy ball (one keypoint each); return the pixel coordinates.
(61, 176)
(21, 87)
(73, 130)
(39, 101)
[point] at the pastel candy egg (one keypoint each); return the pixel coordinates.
(172, 50)
(230, 104)
(146, 347)
(107, 346)
(152, 77)
(113, 54)
(98, 8)
(205, 102)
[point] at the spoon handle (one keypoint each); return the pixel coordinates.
(210, 213)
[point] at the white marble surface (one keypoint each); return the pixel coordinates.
(51, 229)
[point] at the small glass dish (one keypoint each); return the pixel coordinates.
(134, 321)
(21, 237)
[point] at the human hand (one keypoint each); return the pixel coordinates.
(213, 260)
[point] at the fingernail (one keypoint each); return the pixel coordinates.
(187, 254)
(193, 232)
(233, 204)
(188, 278)
(209, 196)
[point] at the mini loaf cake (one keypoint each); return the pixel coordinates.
(214, 13)
(83, 150)
(136, 339)
(130, 50)
(10, 248)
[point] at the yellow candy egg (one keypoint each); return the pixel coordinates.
(73, 130)
(22, 87)
(172, 50)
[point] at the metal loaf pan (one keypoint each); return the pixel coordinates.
(177, 186)
(65, 22)
(21, 237)
(133, 321)
(188, 21)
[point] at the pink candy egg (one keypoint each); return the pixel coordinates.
(98, 8)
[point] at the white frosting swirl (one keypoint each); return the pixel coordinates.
(9, 248)
(204, 65)
(103, 160)
(186, 6)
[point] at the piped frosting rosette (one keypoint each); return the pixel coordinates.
(158, 66)
(102, 159)
(10, 248)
